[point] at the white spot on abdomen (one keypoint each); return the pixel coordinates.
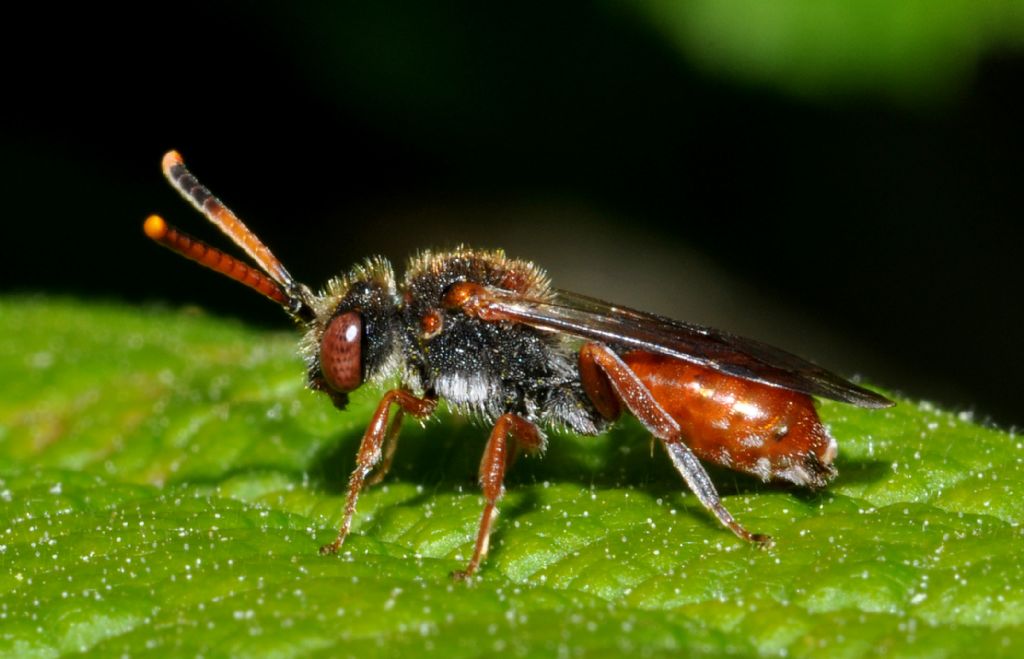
(763, 468)
(752, 441)
(748, 410)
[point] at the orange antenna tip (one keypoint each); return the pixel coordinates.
(155, 227)
(171, 159)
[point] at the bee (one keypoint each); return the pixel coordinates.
(491, 337)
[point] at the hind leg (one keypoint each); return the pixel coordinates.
(597, 360)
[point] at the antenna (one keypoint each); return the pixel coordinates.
(215, 211)
(274, 282)
(213, 258)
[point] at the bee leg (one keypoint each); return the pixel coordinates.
(388, 447)
(638, 400)
(510, 431)
(370, 451)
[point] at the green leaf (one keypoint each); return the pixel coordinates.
(905, 50)
(166, 481)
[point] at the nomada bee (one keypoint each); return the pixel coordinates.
(491, 337)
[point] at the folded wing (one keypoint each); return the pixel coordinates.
(588, 318)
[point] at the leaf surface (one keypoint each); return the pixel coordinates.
(165, 481)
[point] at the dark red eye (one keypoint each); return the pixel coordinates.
(341, 352)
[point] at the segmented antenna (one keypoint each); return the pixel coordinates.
(215, 211)
(213, 258)
(273, 282)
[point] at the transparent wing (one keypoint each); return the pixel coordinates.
(589, 318)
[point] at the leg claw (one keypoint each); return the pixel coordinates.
(462, 576)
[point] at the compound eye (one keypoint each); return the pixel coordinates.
(341, 359)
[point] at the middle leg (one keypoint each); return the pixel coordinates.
(510, 432)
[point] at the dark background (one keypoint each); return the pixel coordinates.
(866, 217)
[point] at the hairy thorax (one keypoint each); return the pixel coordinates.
(483, 368)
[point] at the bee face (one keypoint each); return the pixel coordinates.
(355, 335)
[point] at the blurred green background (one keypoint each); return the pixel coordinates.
(840, 178)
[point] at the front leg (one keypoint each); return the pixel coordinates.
(597, 360)
(388, 447)
(370, 451)
(498, 454)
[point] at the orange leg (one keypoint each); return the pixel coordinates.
(388, 447)
(376, 435)
(509, 430)
(638, 400)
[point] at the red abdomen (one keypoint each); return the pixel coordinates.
(770, 432)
